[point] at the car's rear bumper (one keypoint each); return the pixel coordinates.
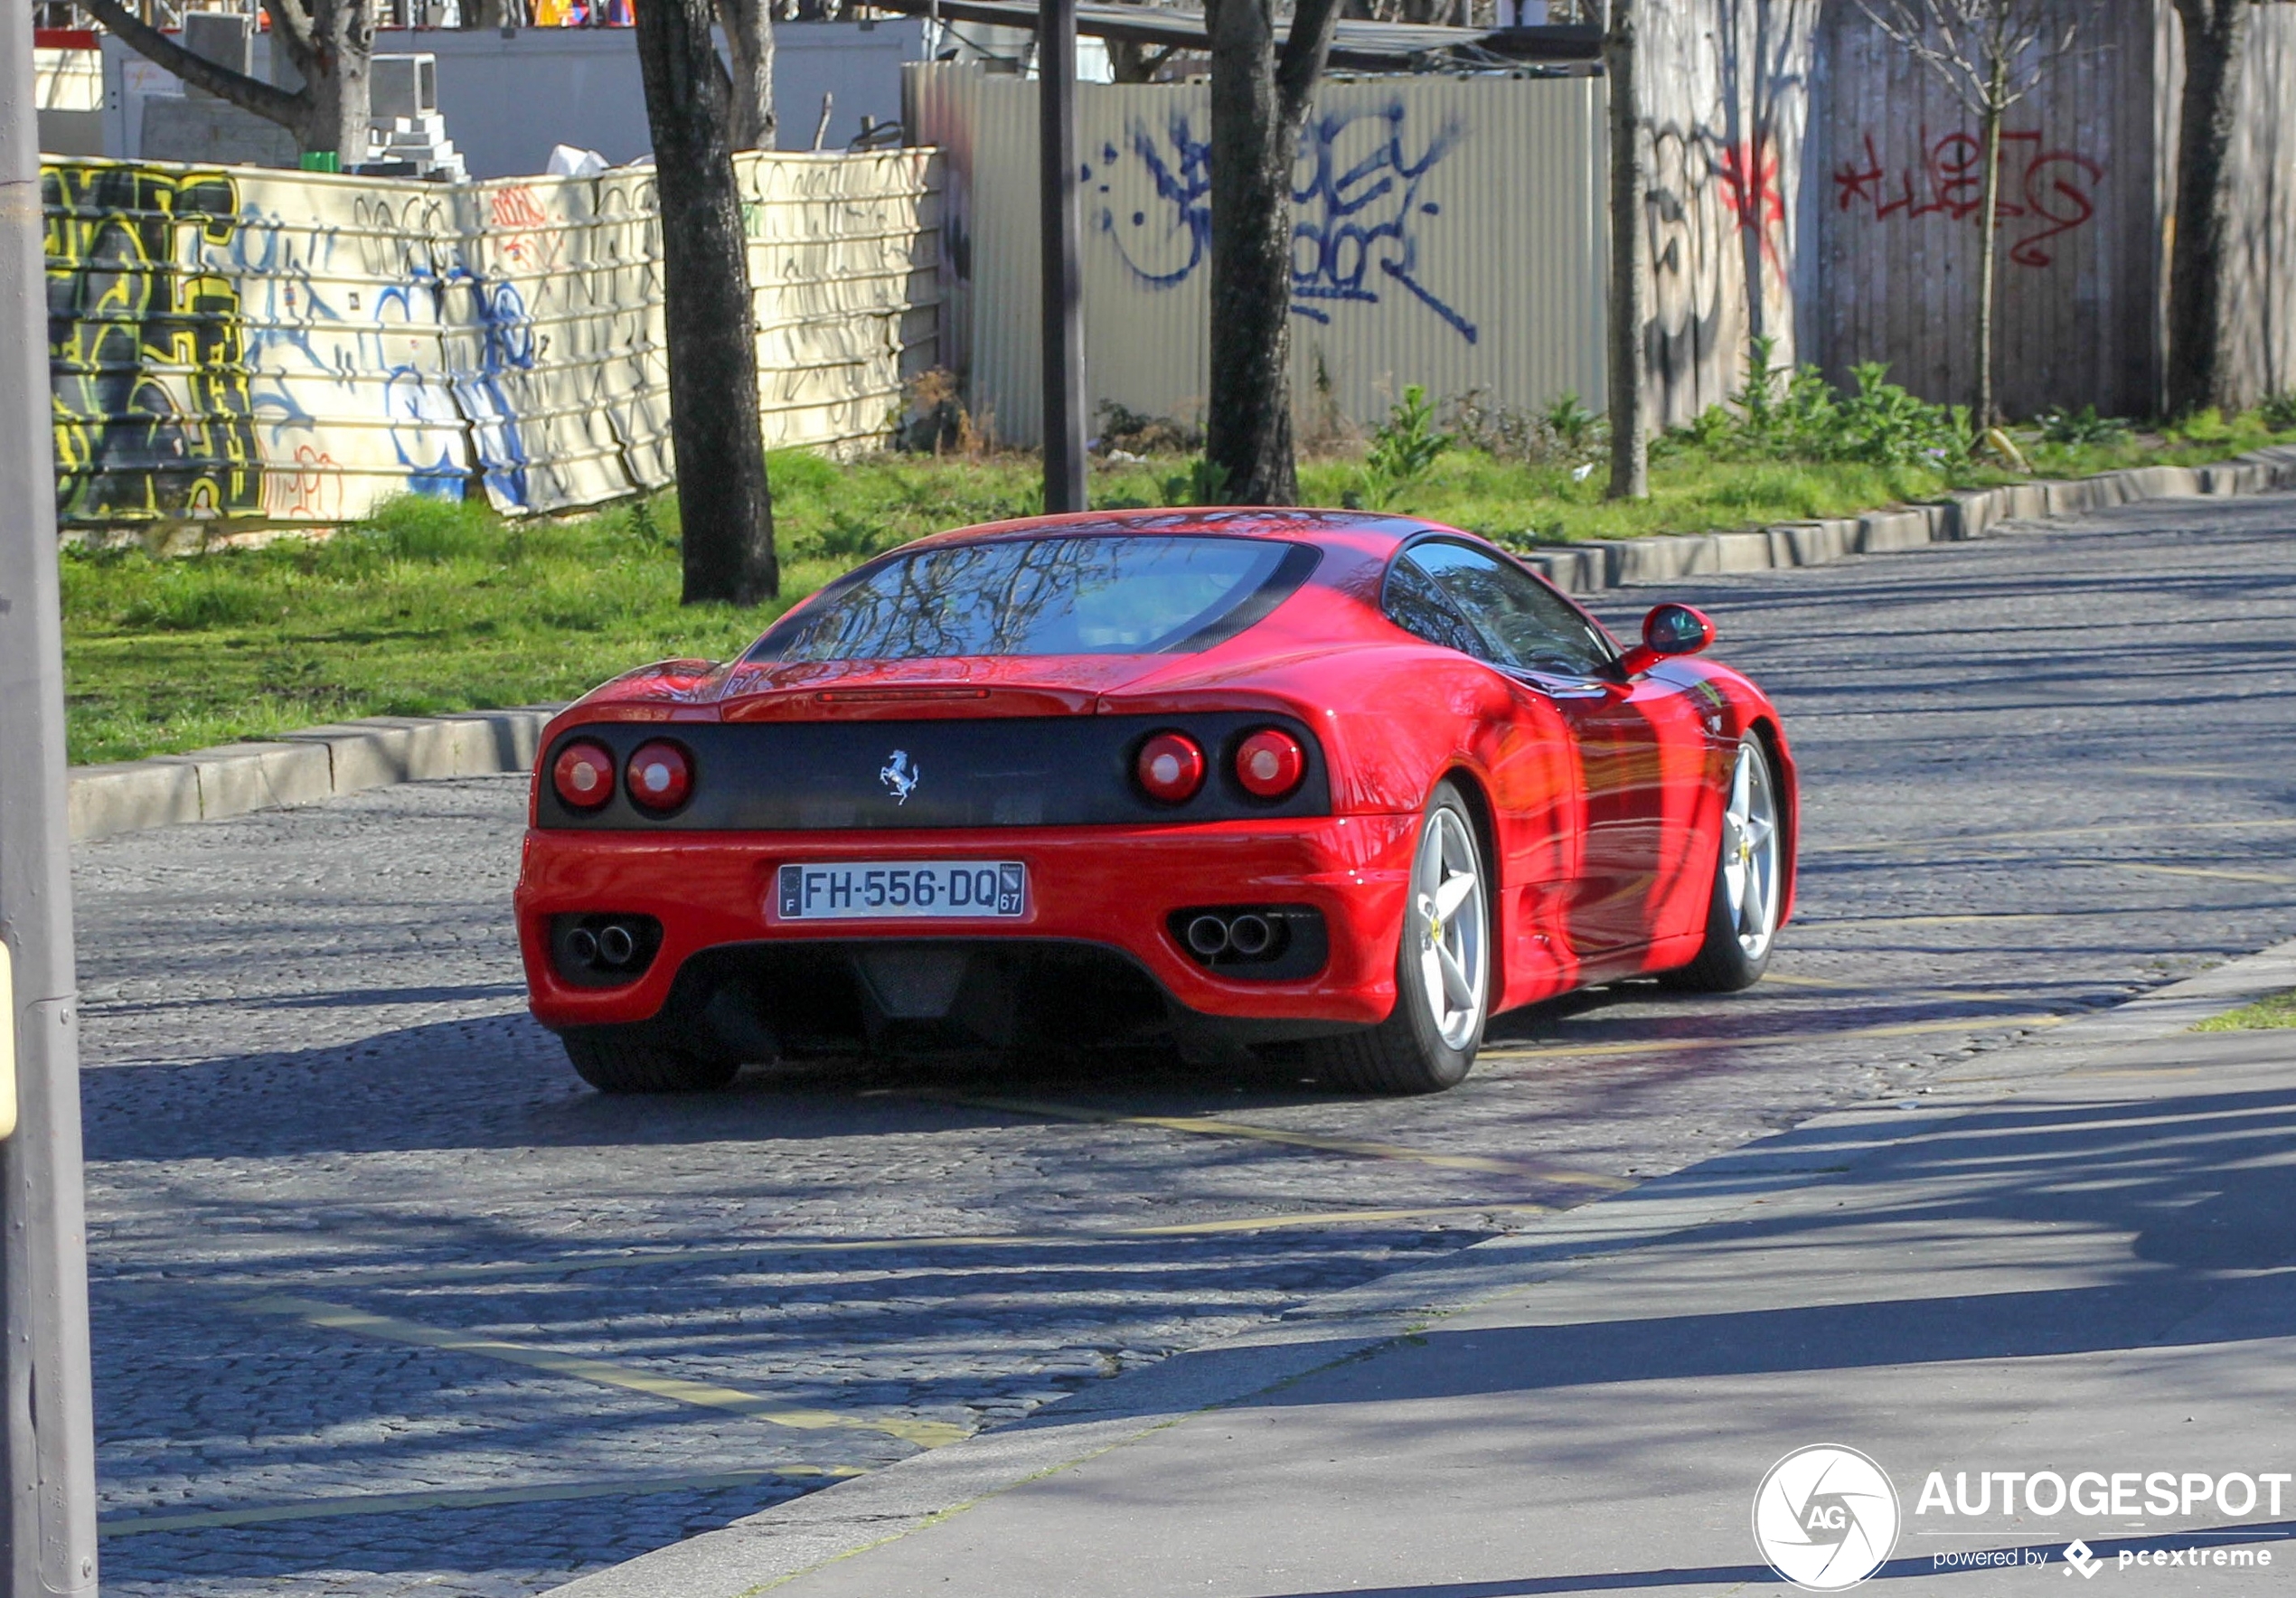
(1111, 886)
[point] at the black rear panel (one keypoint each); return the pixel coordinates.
(793, 776)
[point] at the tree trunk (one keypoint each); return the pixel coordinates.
(749, 25)
(342, 35)
(1247, 429)
(1630, 233)
(724, 505)
(2215, 40)
(1989, 233)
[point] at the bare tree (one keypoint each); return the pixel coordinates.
(1259, 105)
(330, 43)
(1992, 54)
(1629, 265)
(2215, 38)
(724, 506)
(749, 25)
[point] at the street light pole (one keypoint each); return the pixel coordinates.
(48, 1463)
(1064, 406)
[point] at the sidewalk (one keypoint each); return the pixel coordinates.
(2076, 1256)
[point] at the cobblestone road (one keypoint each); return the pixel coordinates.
(386, 1301)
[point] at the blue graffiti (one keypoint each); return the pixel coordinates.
(1163, 255)
(1357, 209)
(1358, 212)
(506, 345)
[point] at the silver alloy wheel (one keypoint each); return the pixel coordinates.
(1450, 925)
(1750, 876)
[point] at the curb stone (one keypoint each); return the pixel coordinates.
(302, 767)
(1598, 565)
(318, 762)
(761, 1552)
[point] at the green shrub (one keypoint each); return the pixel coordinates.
(2086, 427)
(1403, 447)
(2279, 410)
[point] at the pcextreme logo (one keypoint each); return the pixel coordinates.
(1826, 1518)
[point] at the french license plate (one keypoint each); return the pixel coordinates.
(834, 891)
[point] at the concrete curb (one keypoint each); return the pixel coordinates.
(318, 762)
(302, 767)
(1598, 565)
(764, 1551)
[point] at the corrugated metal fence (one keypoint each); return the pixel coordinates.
(1447, 231)
(243, 343)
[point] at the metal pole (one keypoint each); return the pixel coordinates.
(48, 1467)
(1064, 418)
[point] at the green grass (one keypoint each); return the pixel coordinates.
(2275, 1009)
(429, 607)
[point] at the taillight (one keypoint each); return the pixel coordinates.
(1270, 762)
(1170, 767)
(583, 776)
(660, 777)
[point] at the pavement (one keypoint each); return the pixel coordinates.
(386, 1302)
(2078, 1257)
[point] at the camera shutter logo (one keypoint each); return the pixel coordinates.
(1825, 1518)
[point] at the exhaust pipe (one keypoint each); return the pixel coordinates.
(581, 947)
(1207, 936)
(616, 946)
(1250, 935)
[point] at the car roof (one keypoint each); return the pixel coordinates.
(1361, 530)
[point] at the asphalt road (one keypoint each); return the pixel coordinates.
(385, 1300)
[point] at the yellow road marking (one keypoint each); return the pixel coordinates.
(401, 1503)
(2104, 830)
(1975, 916)
(1975, 1023)
(703, 1395)
(576, 1265)
(1203, 1126)
(1884, 993)
(2269, 877)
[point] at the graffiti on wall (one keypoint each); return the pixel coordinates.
(2045, 191)
(151, 406)
(1360, 215)
(1747, 175)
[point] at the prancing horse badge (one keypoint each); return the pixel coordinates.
(900, 777)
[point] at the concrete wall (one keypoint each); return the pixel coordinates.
(507, 101)
(244, 346)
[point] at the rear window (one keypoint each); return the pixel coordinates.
(1097, 594)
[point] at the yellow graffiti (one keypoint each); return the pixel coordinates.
(147, 350)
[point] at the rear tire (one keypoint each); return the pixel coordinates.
(1749, 880)
(614, 1064)
(1443, 970)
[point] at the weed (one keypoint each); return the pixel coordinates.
(1139, 434)
(1403, 447)
(2279, 411)
(1572, 423)
(1203, 483)
(2083, 427)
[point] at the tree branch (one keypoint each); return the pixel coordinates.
(295, 30)
(1305, 49)
(250, 94)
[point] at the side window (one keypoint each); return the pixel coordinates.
(1414, 603)
(1533, 626)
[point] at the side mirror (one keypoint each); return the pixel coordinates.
(1668, 630)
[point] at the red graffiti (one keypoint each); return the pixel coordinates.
(2053, 188)
(1748, 173)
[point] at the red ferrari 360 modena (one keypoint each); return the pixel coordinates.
(1332, 783)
